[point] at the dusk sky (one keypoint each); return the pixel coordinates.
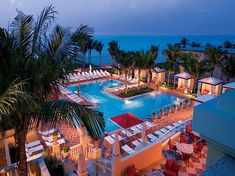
(169, 17)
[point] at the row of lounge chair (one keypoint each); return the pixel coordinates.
(158, 135)
(129, 79)
(71, 95)
(37, 147)
(86, 76)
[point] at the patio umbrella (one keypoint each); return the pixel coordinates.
(116, 146)
(143, 134)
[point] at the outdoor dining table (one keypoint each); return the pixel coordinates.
(185, 148)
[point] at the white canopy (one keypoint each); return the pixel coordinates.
(204, 98)
(184, 75)
(210, 80)
(159, 70)
(230, 85)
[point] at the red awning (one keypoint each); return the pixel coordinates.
(126, 120)
(79, 69)
(106, 67)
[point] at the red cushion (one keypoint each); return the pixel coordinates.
(168, 172)
(169, 164)
(131, 171)
(176, 167)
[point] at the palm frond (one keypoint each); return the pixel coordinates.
(13, 95)
(44, 20)
(55, 111)
(22, 29)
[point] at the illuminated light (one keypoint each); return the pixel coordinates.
(127, 101)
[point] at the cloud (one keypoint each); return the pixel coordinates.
(134, 16)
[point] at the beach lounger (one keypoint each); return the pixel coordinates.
(169, 127)
(60, 141)
(109, 139)
(32, 150)
(119, 137)
(136, 142)
(152, 137)
(33, 144)
(45, 133)
(159, 133)
(127, 149)
(163, 130)
(136, 130)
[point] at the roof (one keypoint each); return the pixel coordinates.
(184, 75)
(210, 80)
(204, 98)
(223, 166)
(215, 121)
(230, 85)
(126, 120)
(159, 70)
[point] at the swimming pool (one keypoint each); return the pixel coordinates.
(141, 106)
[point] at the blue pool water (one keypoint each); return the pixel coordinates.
(141, 106)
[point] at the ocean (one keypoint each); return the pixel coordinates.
(135, 43)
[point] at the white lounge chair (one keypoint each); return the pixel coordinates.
(109, 139)
(33, 144)
(48, 132)
(128, 149)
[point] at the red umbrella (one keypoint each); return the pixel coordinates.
(106, 67)
(126, 120)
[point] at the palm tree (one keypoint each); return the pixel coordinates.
(150, 61)
(195, 44)
(28, 52)
(125, 61)
(229, 67)
(140, 63)
(12, 96)
(113, 49)
(184, 42)
(90, 46)
(215, 56)
(171, 64)
(99, 47)
(194, 66)
(81, 38)
(228, 44)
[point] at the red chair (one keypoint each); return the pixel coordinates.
(171, 168)
(198, 148)
(132, 171)
(183, 138)
(188, 128)
(172, 147)
(192, 137)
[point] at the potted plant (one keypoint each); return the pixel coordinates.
(55, 136)
(65, 151)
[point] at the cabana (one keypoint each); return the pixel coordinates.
(228, 87)
(185, 82)
(158, 75)
(126, 120)
(209, 85)
(143, 73)
(203, 98)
